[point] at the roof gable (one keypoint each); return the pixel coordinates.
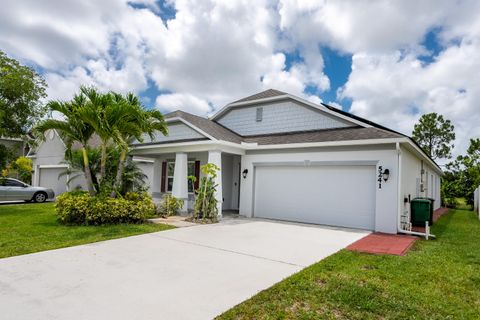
(178, 131)
(52, 146)
(262, 95)
(280, 116)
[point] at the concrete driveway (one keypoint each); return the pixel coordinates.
(188, 273)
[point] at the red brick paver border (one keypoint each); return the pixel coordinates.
(382, 243)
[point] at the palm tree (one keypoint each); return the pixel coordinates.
(98, 114)
(72, 129)
(134, 121)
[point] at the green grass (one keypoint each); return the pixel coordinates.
(438, 279)
(462, 204)
(27, 228)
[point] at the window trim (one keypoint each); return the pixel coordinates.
(168, 177)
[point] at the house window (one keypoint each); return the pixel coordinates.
(170, 172)
(259, 114)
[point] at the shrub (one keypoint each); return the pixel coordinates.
(72, 207)
(170, 205)
(81, 208)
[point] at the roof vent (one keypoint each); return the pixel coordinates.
(259, 114)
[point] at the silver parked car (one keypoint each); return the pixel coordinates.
(13, 189)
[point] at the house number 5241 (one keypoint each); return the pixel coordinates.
(380, 174)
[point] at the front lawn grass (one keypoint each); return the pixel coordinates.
(438, 279)
(27, 228)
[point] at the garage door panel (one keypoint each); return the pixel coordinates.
(49, 178)
(331, 195)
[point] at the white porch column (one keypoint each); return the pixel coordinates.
(36, 174)
(157, 178)
(180, 183)
(215, 157)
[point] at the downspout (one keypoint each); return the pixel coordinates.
(400, 202)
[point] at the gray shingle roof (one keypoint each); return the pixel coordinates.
(339, 134)
(262, 95)
(210, 127)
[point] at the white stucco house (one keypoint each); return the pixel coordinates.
(285, 158)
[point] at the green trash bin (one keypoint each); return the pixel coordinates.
(421, 210)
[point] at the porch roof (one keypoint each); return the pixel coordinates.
(212, 128)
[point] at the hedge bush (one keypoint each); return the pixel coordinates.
(79, 208)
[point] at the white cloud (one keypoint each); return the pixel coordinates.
(182, 101)
(396, 91)
(216, 51)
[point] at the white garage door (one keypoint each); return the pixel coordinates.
(331, 195)
(48, 178)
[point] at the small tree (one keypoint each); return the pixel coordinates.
(435, 135)
(205, 201)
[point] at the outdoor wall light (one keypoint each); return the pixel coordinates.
(244, 173)
(386, 175)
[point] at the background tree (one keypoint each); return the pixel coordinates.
(466, 170)
(6, 156)
(21, 91)
(435, 135)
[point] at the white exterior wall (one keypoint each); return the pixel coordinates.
(476, 201)
(147, 169)
(50, 154)
(412, 180)
(230, 181)
(385, 198)
(51, 151)
(279, 117)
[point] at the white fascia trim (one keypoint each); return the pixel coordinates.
(191, 126)
(60, 137)
(245, 103)
(255, 146)
(425, 157)
(44, 166)
(139, 159)
(168, 145)
(204, 145)
(323, 144)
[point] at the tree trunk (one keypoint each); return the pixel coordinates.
(118, 179)
(88, 174)
(103, 162)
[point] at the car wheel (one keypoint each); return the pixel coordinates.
(40, 197)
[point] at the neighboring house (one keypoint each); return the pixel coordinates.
(285, 158)
(49, 165)
(16, 144)
(282, 157)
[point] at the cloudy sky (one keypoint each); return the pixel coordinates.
(388, 61)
